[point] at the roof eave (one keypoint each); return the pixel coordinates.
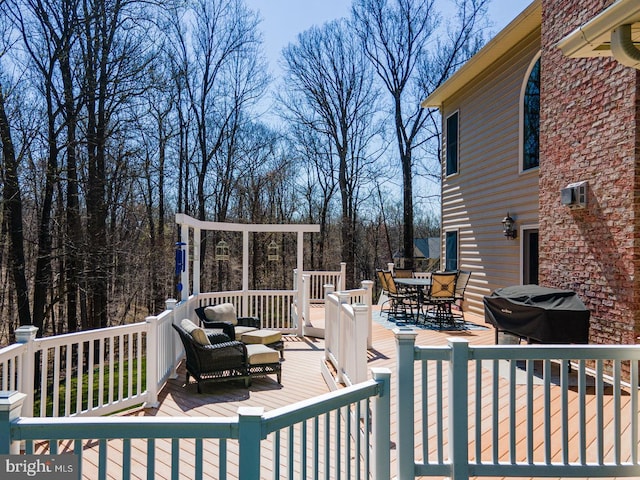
(590, 39)
(517, 30)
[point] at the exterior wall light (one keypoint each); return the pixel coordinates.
(508, 227)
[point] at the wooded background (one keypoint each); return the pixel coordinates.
(116, 114)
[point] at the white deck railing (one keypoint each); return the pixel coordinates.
(562, 414)
(318, 438)
(318, 280)
(272, 307)
(348, 327)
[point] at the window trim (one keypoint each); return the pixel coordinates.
(446, 257)
(446, 160)
(523, 90)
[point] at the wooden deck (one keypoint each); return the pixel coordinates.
(301, 379)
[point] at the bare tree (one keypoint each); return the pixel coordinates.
(318, 181)
(12, 202)
(330, 88)
(113, 52)
(396, 35)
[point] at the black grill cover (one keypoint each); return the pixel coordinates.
(545, 315)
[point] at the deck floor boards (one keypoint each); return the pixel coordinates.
(301, 379)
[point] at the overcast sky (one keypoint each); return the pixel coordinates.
(282, 20)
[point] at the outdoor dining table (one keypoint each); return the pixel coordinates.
(418, 285)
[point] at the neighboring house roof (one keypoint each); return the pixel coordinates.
(517, 30)
(426, 247)
(593, 39)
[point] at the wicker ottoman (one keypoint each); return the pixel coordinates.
(262, 361)
(270, 338)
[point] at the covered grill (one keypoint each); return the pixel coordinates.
(539, 314)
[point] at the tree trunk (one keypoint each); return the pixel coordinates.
(13, 213)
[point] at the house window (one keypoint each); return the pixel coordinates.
(452, 144)
(531, 119)
(451, 250)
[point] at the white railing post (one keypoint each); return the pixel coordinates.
(328, 290)
(152, 362)
(329, 321)
(343, 340)
(306, 298)
(391, 267)
(405, 343)
(10, 406)
(27, 334)
(458, 403)
(249, 437)
(343, 276)
(381, 430)
(359, 348)
(367, 285)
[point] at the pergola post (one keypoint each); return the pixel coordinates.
(184, 278)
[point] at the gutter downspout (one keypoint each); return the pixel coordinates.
(623, 48)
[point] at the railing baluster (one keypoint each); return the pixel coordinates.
(67, 380)
(617, 412)
(126, 458)
(478, 412)
(44, 365)
(634, 411)
(223, 459)
(303, 450)
(55, 392)
(199, 459)
(425, 411)
(530, 425)
(600, 411)
(440, 412)
(327, 446)
(151, 459)
(564, 384)
(547, 411)
(80, 366)
(291, 453)
(102, 459)
(582, 398)
(316, 448)
(512, 410)
(130, 365)
(495, 414)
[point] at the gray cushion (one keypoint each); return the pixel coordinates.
(225, 312)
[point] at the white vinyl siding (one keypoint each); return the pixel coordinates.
(489, 183)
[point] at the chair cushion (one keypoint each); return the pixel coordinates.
(261, 354)
(195, 331)
(224, 312)
(240, 331)
(264, 337)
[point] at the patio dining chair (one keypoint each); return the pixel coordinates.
(403, 302)
(441, 296)
(461, 285)
(403, 272)
(384, 291)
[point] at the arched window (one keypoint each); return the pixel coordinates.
(531, 119)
